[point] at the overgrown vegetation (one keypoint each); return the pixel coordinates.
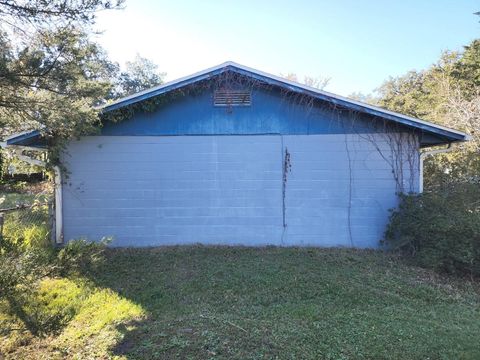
(27, 257)
(439, 230)
(75, 314)
(24, 266)
(53, 75)
(27, 220)
(244, 303)
(447, 93)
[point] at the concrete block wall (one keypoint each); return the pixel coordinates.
(164, 190)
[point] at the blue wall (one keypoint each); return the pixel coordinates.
(270, 113)
(142, 183)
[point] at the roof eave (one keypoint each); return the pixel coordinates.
(26, 139)
(452, 135)
(449, 135)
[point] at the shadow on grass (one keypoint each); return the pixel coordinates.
(194, 298)
(202, 302)
(35, 320)
(231, 302)
(64, 318)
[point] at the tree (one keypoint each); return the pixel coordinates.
(140, 74)
(439, 229)
(51, 73)
(447, 93)
(17, 13)
(365, 98)
(52, 83)
(318, 82)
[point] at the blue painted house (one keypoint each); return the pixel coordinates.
(235, 156)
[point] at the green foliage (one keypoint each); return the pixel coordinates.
(439, 230)
(11, 191)
(60, 104)
(406, 94)
(81, 256)
(54, 12)
(27, 224)
(22, 268)
(366, 98)
(139, 75)
(467, 69)
(27, 257)
(53, 76)
(98, 320)
(51, 73)
(446, 171)
(9, 164)
(27, 228)
(447, 93)
(75, 310)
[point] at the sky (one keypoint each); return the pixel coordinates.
(357, 44)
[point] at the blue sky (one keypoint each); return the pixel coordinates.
(358, 44)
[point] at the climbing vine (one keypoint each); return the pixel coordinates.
(399, 148)
(287, 167)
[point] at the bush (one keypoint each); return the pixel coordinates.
(81, 256)
(439, 230)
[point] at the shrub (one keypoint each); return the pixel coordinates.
(439, 230)
(81, 256)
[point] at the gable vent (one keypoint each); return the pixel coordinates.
(232, 98)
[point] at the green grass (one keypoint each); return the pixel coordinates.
(12, 199)
(27, 226)
(255, 303)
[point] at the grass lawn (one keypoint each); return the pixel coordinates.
(253, 303)
(30, 224)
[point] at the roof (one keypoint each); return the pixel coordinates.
(26, 138)
(443, 134)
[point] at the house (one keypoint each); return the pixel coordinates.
(232, 155)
